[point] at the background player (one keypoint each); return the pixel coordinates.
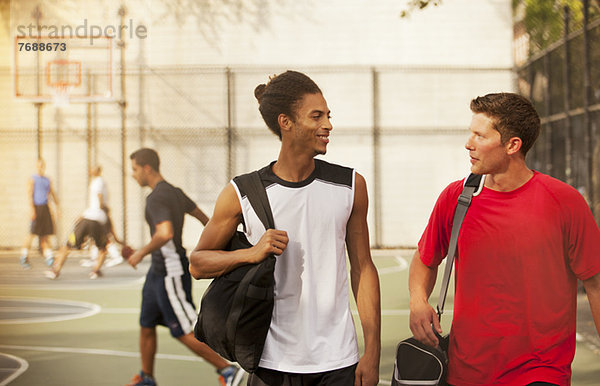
(39, 191)
(167, 293)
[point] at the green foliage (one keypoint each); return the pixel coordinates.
(543, 20)
(418, 4)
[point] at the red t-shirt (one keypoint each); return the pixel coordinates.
(519, 256)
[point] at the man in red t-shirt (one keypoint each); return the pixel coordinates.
(524, 242)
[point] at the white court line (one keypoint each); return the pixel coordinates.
(41, 310)
(402, 266)
(24, 366)
(93, 351)
(120, 310)
(83, 285)
(89, 309)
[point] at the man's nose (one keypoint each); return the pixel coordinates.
(469, 144)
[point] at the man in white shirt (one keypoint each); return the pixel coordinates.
(92, 224)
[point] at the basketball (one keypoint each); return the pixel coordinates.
(126, 252)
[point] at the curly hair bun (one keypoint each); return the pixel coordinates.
(259, 91)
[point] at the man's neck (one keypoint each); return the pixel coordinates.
(154, 180)
(516, 175)
(293, 168)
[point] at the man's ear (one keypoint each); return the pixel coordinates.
(513, 145)
(285, 122)
(147, 169)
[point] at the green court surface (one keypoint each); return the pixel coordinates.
(75, 331)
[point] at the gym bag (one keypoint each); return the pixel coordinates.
(236, 309)
(417, 363)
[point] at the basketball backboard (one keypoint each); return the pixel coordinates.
(63, 69)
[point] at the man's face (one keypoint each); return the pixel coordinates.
(139, 173)
(488, 154)
(312, 124)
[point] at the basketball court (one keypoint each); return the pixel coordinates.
(79, 331)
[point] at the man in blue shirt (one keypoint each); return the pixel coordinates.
(39, 191)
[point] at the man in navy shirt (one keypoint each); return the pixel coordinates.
(167, 293)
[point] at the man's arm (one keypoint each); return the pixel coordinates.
(209, 259)
(365, 285)
(592, 289)
(200, 215)
(162, 234)
(421, 281)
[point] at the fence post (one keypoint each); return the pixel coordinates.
(88, 133)
(38, 108)
(37, 14)
(230, 130)
(567, 102)
(548, 137)
(376, 160)
(123, 105)
(587, 122)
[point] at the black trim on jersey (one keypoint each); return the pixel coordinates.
(324, 171)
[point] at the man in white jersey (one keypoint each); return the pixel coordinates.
(92, 225)
(320, 209)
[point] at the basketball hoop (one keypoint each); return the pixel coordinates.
(60, 96)
(63, 70)
(61, 76)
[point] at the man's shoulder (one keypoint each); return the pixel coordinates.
(162, 190)
(550, 181)
(454, 188)
(556, 188)
(334, 173)
(97, 183)
(40, 177)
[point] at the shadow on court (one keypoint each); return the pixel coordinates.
(74, 330)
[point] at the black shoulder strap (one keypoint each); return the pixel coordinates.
(473, 186)
(251, 184)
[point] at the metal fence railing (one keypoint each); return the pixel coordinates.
(565, 88)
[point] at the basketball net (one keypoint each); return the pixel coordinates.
(60, 96)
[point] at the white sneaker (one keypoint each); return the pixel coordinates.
(50, 274)
(113, 251)
(114, 261)
(87, 262)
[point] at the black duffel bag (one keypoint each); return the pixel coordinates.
(419, 364)
(236, 309)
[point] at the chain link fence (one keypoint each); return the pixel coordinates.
(564, 83)
(402, 128)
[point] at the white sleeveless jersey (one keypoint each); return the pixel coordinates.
(312, 328)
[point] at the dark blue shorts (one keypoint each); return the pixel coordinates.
(167, 301)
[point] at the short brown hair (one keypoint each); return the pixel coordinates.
(513, 116)
(146, 156)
